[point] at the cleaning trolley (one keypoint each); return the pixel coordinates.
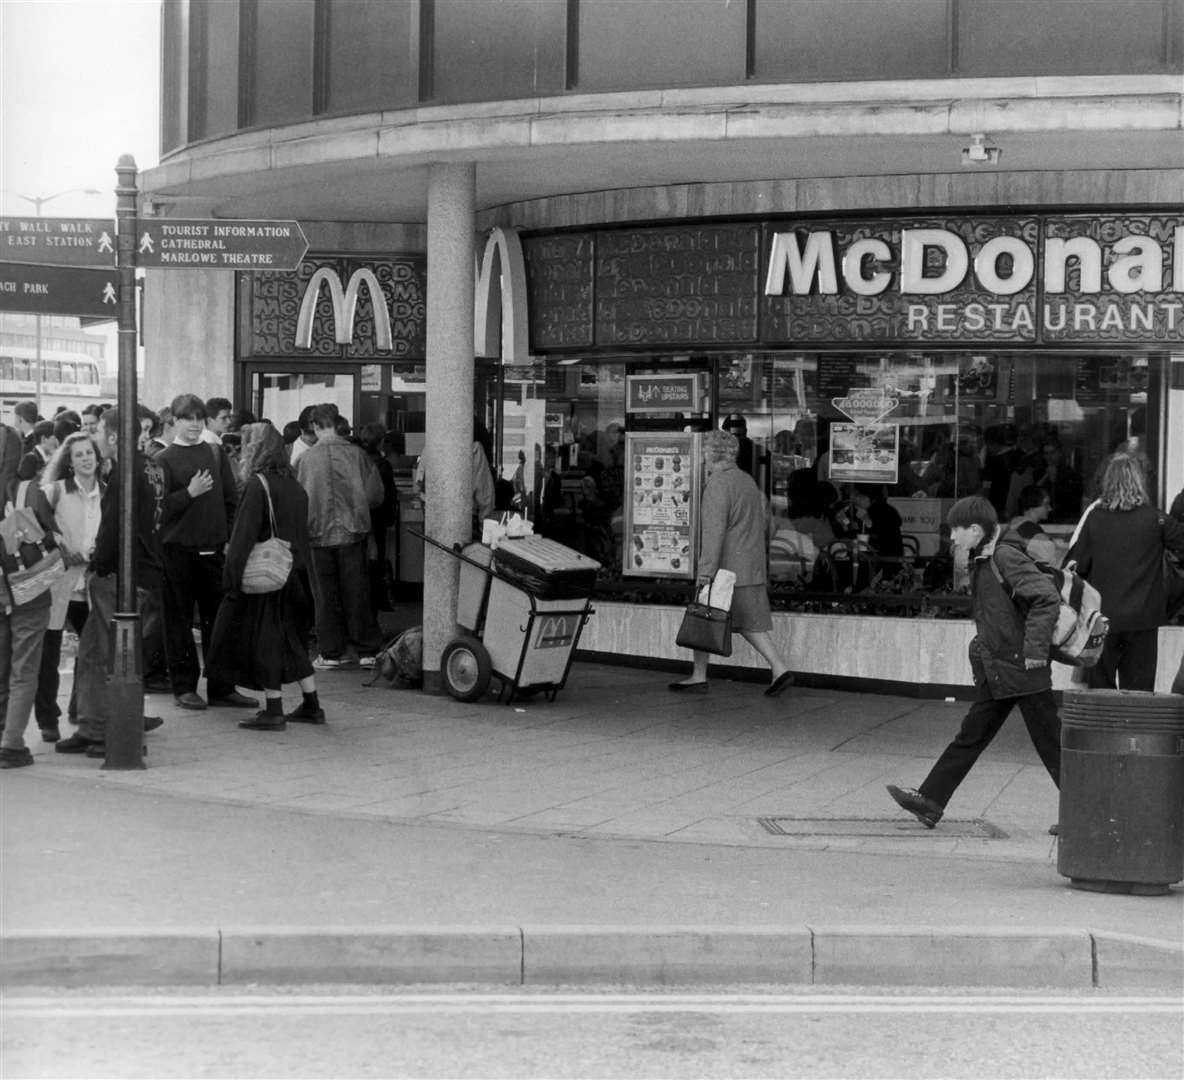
(521, 607)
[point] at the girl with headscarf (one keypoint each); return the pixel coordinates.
(260, 640)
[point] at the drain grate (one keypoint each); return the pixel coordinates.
(949, 829)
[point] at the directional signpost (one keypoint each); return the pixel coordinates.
(48, 267)
(53, 290)
(46, 241)
(220, 244)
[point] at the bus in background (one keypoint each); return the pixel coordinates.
(72, 363)
(69, 379)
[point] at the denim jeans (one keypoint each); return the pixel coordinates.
(94, 658)
(341, 590)
(22, 634)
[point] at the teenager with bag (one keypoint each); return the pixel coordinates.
(260, 639)
(734, 530)
(1009, 656)
(1119, 549)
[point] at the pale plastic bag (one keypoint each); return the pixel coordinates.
(718, 592)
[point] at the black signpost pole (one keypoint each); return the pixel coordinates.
(125, 712)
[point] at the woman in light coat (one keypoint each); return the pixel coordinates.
(74, 489)
(734, 527)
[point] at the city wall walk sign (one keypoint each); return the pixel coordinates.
(42, 241)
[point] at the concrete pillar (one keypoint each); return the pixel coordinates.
(449, 439)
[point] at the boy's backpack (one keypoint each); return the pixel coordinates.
(1081, 628)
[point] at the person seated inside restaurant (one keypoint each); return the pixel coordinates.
(866, 511)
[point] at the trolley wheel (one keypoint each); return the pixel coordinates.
(466, 668)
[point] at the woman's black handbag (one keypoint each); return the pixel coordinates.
(707, 629)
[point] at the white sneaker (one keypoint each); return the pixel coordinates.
(327, 663)
(366, 661)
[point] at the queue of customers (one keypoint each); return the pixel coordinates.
(210, 485)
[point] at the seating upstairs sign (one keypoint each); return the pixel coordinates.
(219, 244)
(45, 241)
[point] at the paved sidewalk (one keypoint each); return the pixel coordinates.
(619, 808)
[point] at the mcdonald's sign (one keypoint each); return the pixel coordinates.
(345, 305)
(500, 276)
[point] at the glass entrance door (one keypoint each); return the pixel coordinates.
(279, 396)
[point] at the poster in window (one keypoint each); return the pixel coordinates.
(661, 504)
(864, 453)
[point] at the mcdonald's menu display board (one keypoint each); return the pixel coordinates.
(661, 504)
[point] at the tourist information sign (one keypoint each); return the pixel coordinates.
(220, 244)
(57, 290)
(45, 241)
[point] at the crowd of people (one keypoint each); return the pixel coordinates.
(213, 483)
(210, 485)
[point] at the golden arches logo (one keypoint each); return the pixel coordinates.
(345, 304)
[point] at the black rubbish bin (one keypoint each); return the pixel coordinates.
(1122, 791)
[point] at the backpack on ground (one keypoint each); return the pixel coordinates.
(400, 661)
(1081, 628)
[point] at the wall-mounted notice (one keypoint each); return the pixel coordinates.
(864, 453)
(661, 504)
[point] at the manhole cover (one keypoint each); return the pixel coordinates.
(949, 829)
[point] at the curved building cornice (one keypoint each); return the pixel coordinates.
(374, 167)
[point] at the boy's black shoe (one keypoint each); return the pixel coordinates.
(304, 715)
(15, 759)
(75, 744)
(926, 811)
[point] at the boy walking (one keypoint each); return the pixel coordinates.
(1008, 656)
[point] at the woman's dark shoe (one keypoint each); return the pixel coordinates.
(689, 687)
(305, 715)
(926, 811)
(264, 721)
(15, 759)
(778, 684)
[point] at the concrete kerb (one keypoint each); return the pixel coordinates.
(594, 956)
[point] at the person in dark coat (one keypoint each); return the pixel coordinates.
(734, 523)
(1119, 550)
(260, 640)
(1009, 656)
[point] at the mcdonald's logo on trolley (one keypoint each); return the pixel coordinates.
(557, 631)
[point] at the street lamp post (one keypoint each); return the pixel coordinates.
(38, 202)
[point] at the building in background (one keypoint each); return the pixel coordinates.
(912, 242)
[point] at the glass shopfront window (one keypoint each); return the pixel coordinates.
(860, 453)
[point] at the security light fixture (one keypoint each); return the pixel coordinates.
(980, 153)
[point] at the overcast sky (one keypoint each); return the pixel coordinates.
(79, 87)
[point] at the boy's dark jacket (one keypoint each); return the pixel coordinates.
(1010, 630)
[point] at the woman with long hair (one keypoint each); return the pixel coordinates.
(73, 486)
(1119, 550)
(260, 640)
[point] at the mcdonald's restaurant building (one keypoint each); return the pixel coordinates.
(901, 246)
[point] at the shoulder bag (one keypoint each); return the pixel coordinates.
(38, 566)
(270, 561)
